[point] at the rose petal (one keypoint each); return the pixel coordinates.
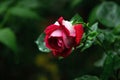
(51, 28)
(60, 21)
(56, 33)
(69, 26)
(54, 43)
(69, 41)
(65, 40)
(56, 23)
(79, 33)
(47, 42)
(60, 43)
(65, 52)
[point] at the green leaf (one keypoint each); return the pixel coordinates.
(108, 67)
(90, 36)
(94, 27)
(87, 77)
(41, 44)
(8, 38)
(4, 6)
(76, 19)
(23, 12)
(108, 14)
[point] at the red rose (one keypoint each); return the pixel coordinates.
(62, 36)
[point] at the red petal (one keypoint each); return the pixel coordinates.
(69, 41)
(79, 33)
(51, 28)
(60, 21)
(46, 42)
(52, 43)
(64, 53)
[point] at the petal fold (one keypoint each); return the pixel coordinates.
(79, 33)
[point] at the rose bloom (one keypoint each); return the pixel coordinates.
(62, 36)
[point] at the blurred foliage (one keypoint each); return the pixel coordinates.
(8, 38)
(87, 77)
(21, 22)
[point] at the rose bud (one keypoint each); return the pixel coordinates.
(62, 36)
